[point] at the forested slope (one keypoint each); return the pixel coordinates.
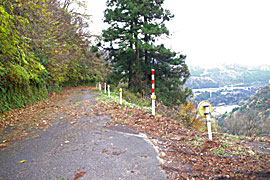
(44, 44)
(251, 119)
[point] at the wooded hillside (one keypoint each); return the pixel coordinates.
(251, 119)
(44, 44)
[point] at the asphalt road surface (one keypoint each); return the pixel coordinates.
(82, 149)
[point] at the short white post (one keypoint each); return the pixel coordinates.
(153, 93)
(153, 105)
(120, 90)
(99, 86)
(208, 118)
(105, 89)
(109, 93)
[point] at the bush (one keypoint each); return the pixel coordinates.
(17, 96)
(188, 115)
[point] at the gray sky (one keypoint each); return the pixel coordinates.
(212, 31)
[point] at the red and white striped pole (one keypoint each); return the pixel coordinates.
(153, 92)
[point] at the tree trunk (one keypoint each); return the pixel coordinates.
(138, 69)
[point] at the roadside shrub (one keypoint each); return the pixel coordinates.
(188, 115)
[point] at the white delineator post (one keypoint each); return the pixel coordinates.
(109, 93)
(105, 89)
(153, 92)
(208, 118)
(120, 90)
(99, 86)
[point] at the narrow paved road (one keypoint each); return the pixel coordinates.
(81, 148)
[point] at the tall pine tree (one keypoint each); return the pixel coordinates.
(135, 25)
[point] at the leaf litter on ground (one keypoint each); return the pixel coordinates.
(187, 153)
(20, 123)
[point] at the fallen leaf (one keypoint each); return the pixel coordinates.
(79, 175)
(104, 150)
(118, 153)
(144, 156)
(3, 145)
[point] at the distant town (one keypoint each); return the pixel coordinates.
(227, 86)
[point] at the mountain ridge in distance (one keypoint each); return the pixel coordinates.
(228, 75)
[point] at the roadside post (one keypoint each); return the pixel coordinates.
(120, 90)
(109, 93)
(153, 97)
(105, 89)
(153, 105)
(99, 86)
(205, 109)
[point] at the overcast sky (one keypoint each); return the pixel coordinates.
(212, 31)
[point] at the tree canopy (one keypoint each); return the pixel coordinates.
(134, 29)
(44, 43)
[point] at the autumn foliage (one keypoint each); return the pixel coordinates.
(44, 44)
(188, 115)
(252, 118)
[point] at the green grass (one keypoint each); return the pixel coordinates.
(129, 100)
(230, 146)
(197, 142)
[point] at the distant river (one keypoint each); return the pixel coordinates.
(219, 110)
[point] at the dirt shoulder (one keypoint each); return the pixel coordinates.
(188, 154)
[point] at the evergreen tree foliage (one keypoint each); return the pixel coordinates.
(135, 26)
